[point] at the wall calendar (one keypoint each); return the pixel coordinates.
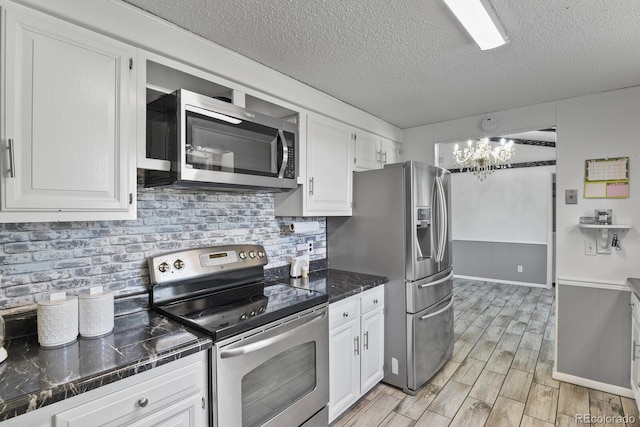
(606, 178)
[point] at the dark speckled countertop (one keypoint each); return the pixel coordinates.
(33, 376)
(634, 285)
(337, 283)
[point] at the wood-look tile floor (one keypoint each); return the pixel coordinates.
(499, 373)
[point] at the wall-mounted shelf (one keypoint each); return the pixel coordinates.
(607, 226)
(602, 245)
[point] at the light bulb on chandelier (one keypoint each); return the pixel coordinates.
(482, 160)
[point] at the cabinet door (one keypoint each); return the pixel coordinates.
(328, 167)
(635, 358)
(68, 132)
(372, 358)
(391, 152)
(344, 367)
(367, 151)
(186, 413)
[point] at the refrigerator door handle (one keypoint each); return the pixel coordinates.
(426, 316)
(442, 220)
(424, 285)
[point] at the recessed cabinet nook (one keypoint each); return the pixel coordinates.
(74, 117)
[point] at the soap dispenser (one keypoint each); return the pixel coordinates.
(298, 265)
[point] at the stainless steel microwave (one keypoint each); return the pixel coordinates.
(215, 144)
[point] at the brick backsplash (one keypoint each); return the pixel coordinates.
(39, 258)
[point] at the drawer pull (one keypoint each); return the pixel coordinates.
(345, 314)
(143, 402)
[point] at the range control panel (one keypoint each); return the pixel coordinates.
(193, 263)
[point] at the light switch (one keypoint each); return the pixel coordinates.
(570, 197)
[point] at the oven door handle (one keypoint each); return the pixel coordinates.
(259, 345)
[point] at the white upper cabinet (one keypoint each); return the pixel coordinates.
(68, 130)
(328, 167)
(373, 152)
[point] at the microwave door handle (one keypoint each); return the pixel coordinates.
(285, 153)
(259, 345)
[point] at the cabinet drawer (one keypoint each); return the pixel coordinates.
(343, 311)
(137, 401)
(372, 299)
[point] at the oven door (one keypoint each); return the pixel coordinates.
(275, 375)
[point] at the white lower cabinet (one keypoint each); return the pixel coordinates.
(356, 348)
(175, 394)
(635, 347)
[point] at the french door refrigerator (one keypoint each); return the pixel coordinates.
(400, 228)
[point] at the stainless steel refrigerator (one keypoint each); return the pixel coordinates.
(401, 228)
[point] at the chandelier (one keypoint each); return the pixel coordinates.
(483, 160)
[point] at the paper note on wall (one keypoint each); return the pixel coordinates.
(606, 178)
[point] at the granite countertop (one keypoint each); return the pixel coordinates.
(338, 284)
(634, 284)
(33, 376)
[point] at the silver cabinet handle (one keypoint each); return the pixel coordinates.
(356, 349)
(143, 402)
(375, 301)
(379, 156)
(366, 340)
(311, 186)
(635, 350)
(384, 162)
(12, 159)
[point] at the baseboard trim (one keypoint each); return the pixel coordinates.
(508, 282)
(584, 382)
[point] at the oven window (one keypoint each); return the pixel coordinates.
(278, 383)
(247, 148)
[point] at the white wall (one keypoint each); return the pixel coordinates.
(591, 126)
(510, 205)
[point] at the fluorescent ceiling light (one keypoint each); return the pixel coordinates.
(480, 21)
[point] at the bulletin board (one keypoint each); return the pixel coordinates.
(606, 178)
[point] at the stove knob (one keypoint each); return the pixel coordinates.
(261, 254)
(252, 254)
(164, 267)
(261, 309)
(243, 316)
(178, 264)
(242, 254)
(253, 313)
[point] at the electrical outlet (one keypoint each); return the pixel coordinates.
(519, 269)
(310, 248)
(589, 248)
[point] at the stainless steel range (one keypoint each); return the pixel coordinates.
(270, 359)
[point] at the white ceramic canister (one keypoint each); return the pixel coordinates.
(57, 321)
(96, 313)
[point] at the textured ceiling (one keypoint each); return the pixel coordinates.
(410, 62)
